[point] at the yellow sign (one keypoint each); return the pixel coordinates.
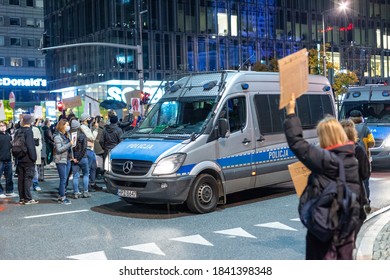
(294, 72)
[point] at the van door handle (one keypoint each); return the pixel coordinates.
(261, 138)
(246, 141)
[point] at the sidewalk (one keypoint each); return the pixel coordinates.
(373, 240)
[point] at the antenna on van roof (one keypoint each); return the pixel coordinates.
(239, 68)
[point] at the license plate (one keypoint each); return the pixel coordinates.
(127, 193)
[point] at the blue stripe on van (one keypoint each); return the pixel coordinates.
(264, 156)
(379, 132)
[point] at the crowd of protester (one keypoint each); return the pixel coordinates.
(75, 146)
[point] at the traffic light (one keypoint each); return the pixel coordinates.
(60, 106)
(45, 42)
(145, 97)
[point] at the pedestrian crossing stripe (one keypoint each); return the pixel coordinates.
(194, 239)
(233, 232)
(99, 255)
(276, 225)
(146, 248)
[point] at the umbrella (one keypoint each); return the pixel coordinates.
(113, 104)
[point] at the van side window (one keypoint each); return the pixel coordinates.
(235, 112)
(269, 117)
(311, 108)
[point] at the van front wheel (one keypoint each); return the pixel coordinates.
(203, 195)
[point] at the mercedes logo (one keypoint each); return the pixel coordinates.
(127, 166)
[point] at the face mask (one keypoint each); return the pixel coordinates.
(67, 128)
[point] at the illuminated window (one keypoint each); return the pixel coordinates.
(16, 62)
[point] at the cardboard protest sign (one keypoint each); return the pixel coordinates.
(299, 175)
(294, 72)
(72, 102)
(74, 138)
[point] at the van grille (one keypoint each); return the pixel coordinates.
(139, 167)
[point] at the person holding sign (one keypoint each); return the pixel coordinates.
(321, 161)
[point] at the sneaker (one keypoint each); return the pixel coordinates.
(86, 195)
(11, 194)
(32, 201)
(64, 201)
(21, 202)
(77, 195)
(37, 189)
(3, 195)
(96, 187)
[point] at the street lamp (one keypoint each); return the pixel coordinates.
(342, 7)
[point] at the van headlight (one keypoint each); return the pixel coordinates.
(107, 163)
(386, 142)
(169, 164)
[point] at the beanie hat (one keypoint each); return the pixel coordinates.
(355, 114)
(113, 119)
(74, 124)
(84, 116)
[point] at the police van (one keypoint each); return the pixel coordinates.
(211, 135)
(373, 101)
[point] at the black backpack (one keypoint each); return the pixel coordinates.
(331, 211)
(19, 148)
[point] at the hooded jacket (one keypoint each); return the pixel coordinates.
(111, 137)
(31, 157)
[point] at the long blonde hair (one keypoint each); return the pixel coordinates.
(331, 133)
(350, 129)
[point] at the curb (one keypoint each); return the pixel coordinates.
(369, 232)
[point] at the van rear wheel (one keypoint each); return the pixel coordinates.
(203, 195)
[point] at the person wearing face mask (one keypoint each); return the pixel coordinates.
(62, 156)
(6, 162)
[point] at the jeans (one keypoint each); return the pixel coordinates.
(92, 166)
(63, 171)
(83, 165)
(6, 169)
(35, 179)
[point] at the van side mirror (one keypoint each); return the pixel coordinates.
(223, 128)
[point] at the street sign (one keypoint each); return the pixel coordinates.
(11, 99)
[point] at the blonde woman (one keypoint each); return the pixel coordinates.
(322, 162)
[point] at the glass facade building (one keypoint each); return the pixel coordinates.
(22, 65)
(179, 36)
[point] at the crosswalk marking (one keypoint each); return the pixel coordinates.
(99, 255)
(295, 220)
(236, 232)
(276, 225)
(55, 214)
(147, 248)
(195, 239)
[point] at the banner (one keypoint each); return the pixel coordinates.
(72, 102)
(2, 111)
(38, 112)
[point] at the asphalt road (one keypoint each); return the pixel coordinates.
(257, 225)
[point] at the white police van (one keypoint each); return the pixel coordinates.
(372, 101)
(211, 135)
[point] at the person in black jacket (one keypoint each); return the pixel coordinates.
(111, 136)
(26, 165)
(6, 161)
(79, 160)
(322, 162)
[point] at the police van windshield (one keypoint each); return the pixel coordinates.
(372, 112)
(176, 117)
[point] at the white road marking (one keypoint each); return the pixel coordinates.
(99, 255)
(236, 232)
(295, 220)
(194, 239)
(55, 214)
(276, 225)
(147, 248)
(376, 179)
